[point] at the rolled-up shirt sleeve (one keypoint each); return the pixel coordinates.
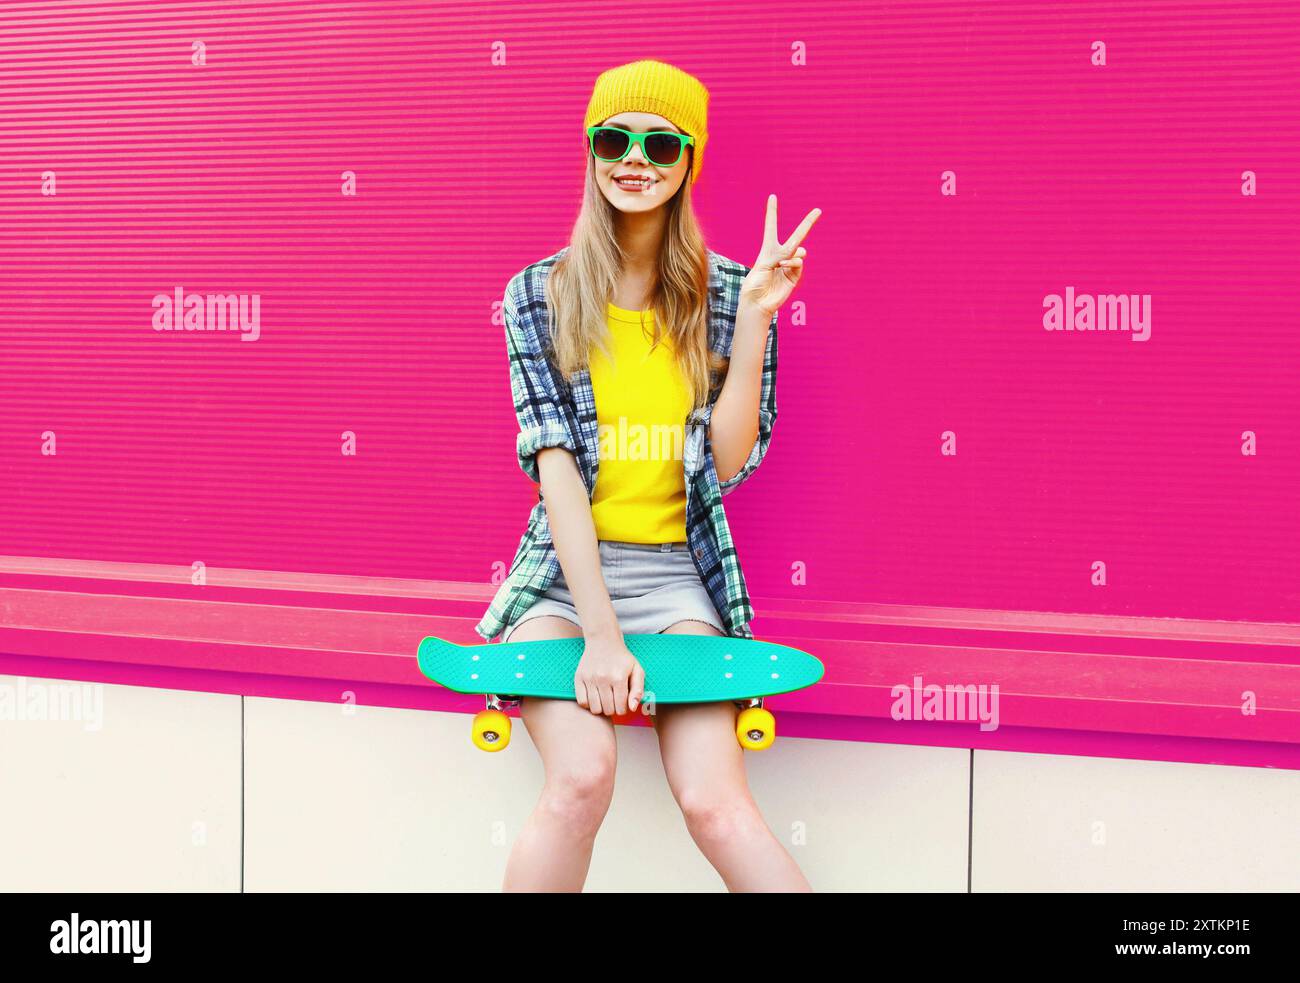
(537, 405)
(766, 416)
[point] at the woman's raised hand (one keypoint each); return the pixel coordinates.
(779, 265)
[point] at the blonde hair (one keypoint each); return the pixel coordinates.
(582, 281)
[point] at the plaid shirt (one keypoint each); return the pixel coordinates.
(552, 413)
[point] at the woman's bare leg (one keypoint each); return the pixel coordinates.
(705, 766)
(579, 752)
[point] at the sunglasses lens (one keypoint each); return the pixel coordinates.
(609, 144)
(663, 148)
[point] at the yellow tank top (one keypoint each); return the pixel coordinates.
(642, 401)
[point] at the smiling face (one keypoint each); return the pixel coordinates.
(618, 179)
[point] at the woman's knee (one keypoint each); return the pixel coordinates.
(579, 793)
(717, 814)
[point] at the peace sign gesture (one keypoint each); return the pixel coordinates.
(779, 265)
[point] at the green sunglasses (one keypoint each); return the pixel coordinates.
(660, 147)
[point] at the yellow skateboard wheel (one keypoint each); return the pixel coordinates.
(491, 730)
(755, 729)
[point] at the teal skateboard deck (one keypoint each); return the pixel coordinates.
(678, 669)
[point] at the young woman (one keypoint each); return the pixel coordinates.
(643, 368)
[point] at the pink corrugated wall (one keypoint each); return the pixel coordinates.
(923, 311)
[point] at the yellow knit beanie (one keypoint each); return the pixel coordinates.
(654, 87)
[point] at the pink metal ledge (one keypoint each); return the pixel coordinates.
(1166, 689)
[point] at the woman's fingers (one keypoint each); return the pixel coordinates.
(638, 687)
(593, 698)
(769, 224)
(780, 256)
(802, 231)
(771, 240)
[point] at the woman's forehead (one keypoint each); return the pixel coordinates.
(641, 122)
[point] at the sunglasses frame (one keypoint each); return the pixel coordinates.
(638, 139)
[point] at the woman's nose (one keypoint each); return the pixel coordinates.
(635, 151)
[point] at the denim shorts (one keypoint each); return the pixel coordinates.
(651, 585)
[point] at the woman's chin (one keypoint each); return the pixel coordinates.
(632, 204)
(636, 211)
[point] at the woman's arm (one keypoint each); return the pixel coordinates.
(608, 673)
(609, 679)
(734, 425)
(741, 425)
(568, 512)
